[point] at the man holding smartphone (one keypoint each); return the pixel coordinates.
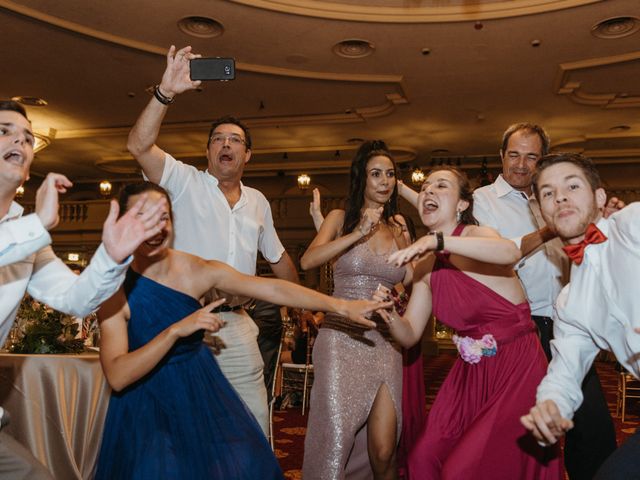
(216, 217)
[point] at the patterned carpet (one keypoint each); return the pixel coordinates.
(290, 425)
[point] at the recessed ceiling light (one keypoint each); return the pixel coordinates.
(353, 48)
(616, 27)
(620, 128)
(355, 140)
(201, 27)
(31, 101)
(535, 43)
(439, 151)
(425, 51)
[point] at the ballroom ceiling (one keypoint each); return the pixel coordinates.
(439, 80)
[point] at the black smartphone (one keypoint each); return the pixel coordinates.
(214, 68)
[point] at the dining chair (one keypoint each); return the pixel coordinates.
(628, 387)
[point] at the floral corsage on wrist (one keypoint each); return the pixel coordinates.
(472, 350)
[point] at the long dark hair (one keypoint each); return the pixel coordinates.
(358, 182)
(465, 192)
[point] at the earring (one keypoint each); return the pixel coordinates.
(458, 216)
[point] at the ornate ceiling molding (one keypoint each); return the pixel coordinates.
(162, 51)
(467, 11)
(568, 82)
(125, 164)
(626, 148)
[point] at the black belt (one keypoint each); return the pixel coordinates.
(227, 308)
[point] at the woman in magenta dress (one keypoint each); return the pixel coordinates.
(466, 277)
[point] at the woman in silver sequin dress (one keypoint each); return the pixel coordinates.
(358, 373)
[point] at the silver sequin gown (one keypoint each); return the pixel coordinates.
(350, 365)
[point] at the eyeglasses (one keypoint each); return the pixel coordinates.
(220, 139)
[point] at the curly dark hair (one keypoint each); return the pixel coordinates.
(358, 182)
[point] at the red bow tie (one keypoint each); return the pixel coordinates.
(576, 252)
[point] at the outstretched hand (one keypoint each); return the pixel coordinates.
(413, 251)
(201, 319)
(382, 295)
(47, 201)
(121, 236)
(546, 423)
(177, 77)
(613, 205)
(358, 311)
(315, 210)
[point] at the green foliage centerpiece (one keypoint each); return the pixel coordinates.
(40, 329)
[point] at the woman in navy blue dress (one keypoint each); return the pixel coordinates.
(172, 413)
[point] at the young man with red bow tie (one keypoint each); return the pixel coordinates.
(599, 309)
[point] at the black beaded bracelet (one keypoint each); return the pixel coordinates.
(439, 240)
(162, 98)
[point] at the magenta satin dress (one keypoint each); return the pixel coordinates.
(473, 430)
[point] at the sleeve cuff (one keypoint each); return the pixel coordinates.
(29, 228)
(104, 262)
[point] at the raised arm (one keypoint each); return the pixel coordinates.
(328, 245)
(480, 243)
(408, 193)
(122, 367)
(315, 210)
(143, 135)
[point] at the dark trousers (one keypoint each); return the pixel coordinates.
(624, 463)
(593, 437)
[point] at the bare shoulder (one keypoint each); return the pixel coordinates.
(333, 222)
(336, 215)
(117, 305)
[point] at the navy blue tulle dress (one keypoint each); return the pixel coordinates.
(182, 420)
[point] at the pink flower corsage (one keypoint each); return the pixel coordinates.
(472, 350)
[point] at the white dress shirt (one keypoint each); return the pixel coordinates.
(597, 310)
(206, 226)
(20, 236)
(513, 214)
(47, 279)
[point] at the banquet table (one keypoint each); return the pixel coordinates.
(57, 405)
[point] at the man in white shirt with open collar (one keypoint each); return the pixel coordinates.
(28, 264)
(599, 309)
(216, 217)
(509, 206)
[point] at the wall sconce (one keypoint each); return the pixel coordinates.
(105, 188)
(304, 181)
(417, 177)
(20, 192)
